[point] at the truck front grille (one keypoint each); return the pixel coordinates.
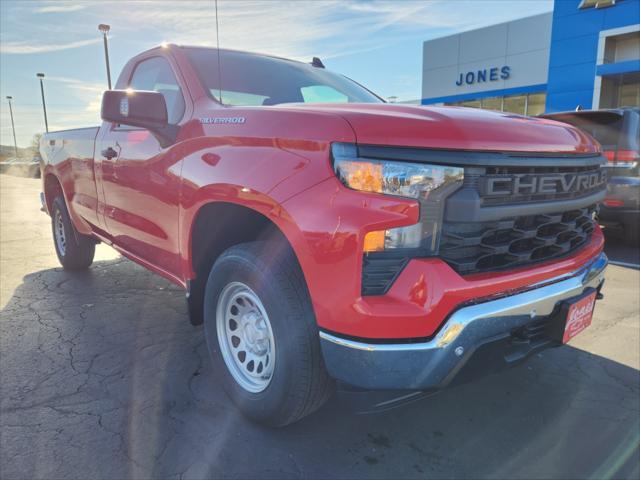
(474, 247)
(531, 174)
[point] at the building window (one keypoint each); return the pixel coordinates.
(536, 103)
(620, 48)
(630, 94)
(531, 104)
(596, 3)
(471, 103)
(515, 104)
(620, 91)
(492, 103)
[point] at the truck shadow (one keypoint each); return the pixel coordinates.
(108, 359)
(619, 251)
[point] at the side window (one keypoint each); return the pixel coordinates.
(156, 74)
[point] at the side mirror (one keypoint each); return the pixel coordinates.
(140, 108)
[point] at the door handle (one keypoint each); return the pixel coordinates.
(109, 153)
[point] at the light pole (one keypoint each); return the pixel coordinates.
(104, 28)
(44, 106)
(13, 127)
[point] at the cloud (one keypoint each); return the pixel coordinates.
(294, 29)
(21, 48)
(87, 92)
(63, 8)
(95, 105)
(80, 85)
(422, 14)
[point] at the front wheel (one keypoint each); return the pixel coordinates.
(75, 251)
(262, 336)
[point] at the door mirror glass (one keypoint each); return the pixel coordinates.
(139, 108)
(135, 108)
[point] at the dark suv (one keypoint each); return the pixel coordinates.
(618, 130)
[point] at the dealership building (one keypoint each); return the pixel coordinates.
(586, 53)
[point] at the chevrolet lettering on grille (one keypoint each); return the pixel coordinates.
(531, 184)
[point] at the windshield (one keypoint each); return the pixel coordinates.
(250, 80)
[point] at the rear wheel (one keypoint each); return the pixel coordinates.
(75, 251)
(262, 336)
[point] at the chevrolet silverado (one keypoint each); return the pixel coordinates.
(323, 235)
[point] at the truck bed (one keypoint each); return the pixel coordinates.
(74, 143)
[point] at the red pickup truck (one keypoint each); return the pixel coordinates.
(323, 235)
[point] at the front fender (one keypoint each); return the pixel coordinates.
(254, 173)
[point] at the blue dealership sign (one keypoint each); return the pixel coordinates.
(492, 74)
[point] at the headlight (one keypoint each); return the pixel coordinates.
(429, 184)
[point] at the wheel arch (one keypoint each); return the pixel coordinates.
(52, 188)
(220, 224)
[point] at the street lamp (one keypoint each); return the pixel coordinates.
(13, 127)
(104, 28)
(44, 106)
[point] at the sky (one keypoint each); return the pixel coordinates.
(377, 43)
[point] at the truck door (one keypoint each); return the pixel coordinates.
(141, 180)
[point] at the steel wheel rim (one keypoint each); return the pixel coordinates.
(245, 337)
(58, 230)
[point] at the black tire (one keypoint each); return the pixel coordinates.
(299, 383)
(78, 250)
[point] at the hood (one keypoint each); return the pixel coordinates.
(456, 128)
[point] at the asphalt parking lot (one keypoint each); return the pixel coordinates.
(102, 376)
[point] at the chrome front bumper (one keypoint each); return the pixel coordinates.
(433, 364)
